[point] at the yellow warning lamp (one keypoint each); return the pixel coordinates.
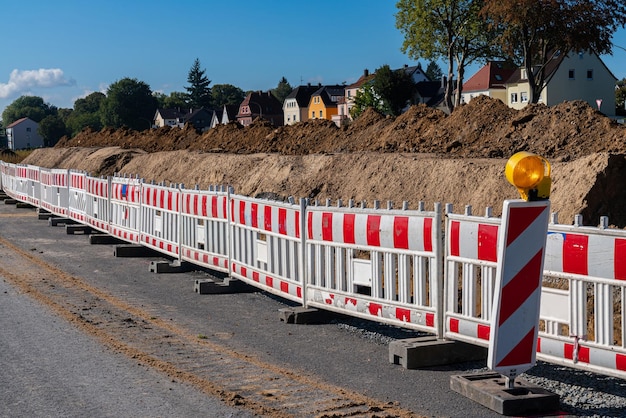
(530, 173)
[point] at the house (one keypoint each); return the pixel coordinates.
(296, 105)
(431, 93)
(417, 74)
(490, 81)
(22, 134)
(263, 105)
(324, 102)
(347, 102)
(229, 114)
(575, 76)
(199, 118)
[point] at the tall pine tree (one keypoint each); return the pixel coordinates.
(198, 91)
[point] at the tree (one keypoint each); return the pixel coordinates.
(395, 89)
(32, 107)
(366, 97)
(176, 100)
(227, 94)
(451, 30)
(539, 31)
(198, 91)
(86, 114)
(433, 71)
(620, 98)
(51, 128)
(129, 103)
(282, 90)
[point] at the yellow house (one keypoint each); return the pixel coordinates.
(323, 103)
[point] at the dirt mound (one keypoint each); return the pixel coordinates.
(484, 128)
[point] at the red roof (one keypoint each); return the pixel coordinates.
(492, 76)
(17, 122)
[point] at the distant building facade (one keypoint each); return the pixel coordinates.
(22, 134)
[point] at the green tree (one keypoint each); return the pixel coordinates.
(366, 97)
(86, 114)
(538, 31)
(395, 89)
(620, 98)
(129, 102)
(51, 128)
(433, 71)
(198, 91)
(282, 90)
(227, 94)
(176, 100)
(32, 107)
(452, 30)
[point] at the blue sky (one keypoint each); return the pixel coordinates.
(66, 49)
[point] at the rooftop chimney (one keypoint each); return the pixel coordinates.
(366, 72)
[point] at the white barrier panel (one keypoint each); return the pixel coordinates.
(379, 265)
(98, 203)
(54, 190)
(266, 245)
(125, 205)
(204, 228)
(77, 198)
(27, 186)
(160, 207)
(9, 179)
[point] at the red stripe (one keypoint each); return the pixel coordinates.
(242, 212)
(620, 259)
(282, 221)
(309, 225)
(374, 308)
(267, 218)
(269, 281)
(430, 320)
(254, 209)
(213, 206)
(575, 254)
(522, 353)
(170, 205)
(620, 362)
(583, 353)
(373, 230)
(348, 228)
(284, 287)
(403, 314)
(297, 216)
(401, 232)
(428, 234)
(454, 325)
(483, 331)
(455, 234)
(520, 287)
(488, 242)
(520, 219)
(224, 211)
(327, 226)
(255, 276)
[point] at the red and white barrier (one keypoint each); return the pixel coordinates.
(125, 204)
(204, 228)
(160, 207)
(266, 245)
(54, 190)
(98, 204)
(378, 265)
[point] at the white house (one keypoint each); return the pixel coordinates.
(22, 134)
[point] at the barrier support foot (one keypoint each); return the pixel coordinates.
(214, 287)
(104, 239)
(175, 266)
(415, 353)
(10, 202)
(54, 221)
(302, 315)
(23, 205)
(77, 229)
(132, 250)
(3, 196)
(489, 389)
(44, 215)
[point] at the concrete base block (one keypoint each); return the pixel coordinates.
(131, 250)
(176, 266)
(104, 239)
(213, 287)
(489, 390)
(54, 221)
(10, 202)
(44, 216)
(302, 315)
(77, 229)
(3, 196)
(22, 205)
(414, 353)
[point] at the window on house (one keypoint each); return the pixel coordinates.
(571, 74)
(524, 97)
(498, 77)
(513, 97)
(27, 129)
(321, 114)
(589, 74)
(313, 114)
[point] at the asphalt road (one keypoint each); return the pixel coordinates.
(51, 367)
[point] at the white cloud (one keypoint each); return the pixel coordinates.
(21, 81)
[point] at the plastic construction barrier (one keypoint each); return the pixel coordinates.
(77, 197)
(54, 190)
(266, 243)
(379, 265)
(160, 218)
(27, 187)
(98, 203)
(204, 228)
(9, 179)
(125, 205)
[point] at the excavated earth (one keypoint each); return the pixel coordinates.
(422, 155)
